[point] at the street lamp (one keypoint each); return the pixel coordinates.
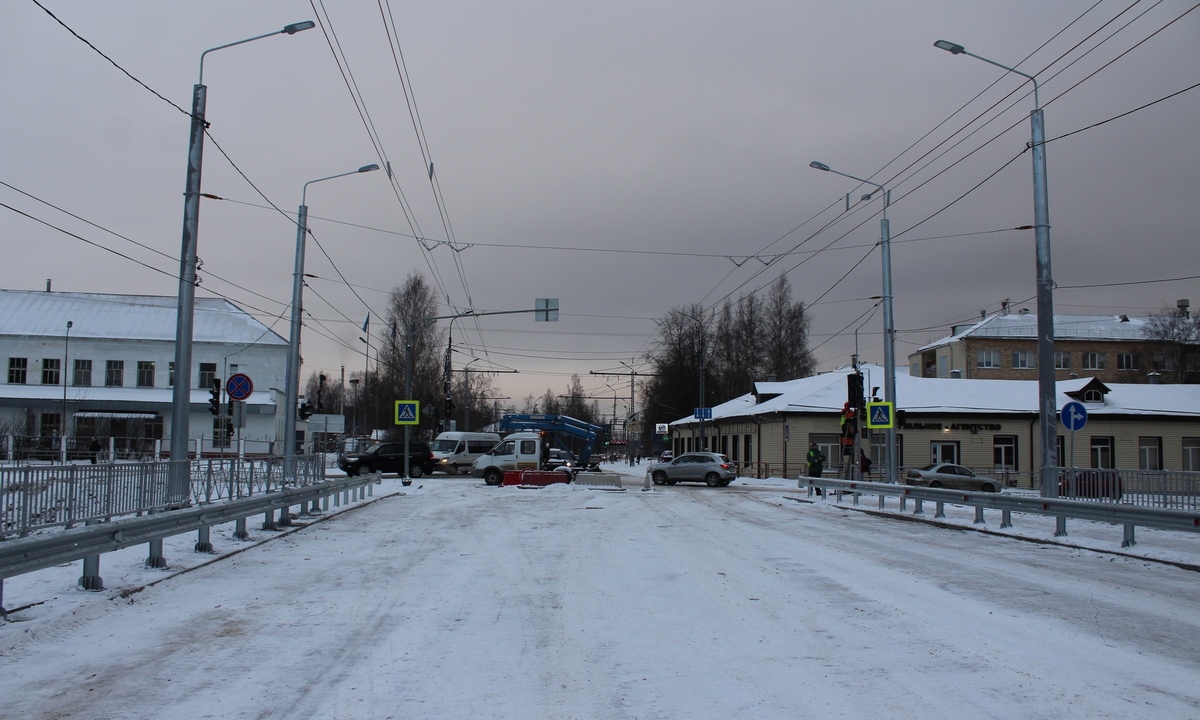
(66, 357)
(354, 417)
(292, 376)
(177, 491)
(889, 328)
(1047, 411)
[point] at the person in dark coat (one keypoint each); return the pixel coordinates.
(864, 463)
(95, 449)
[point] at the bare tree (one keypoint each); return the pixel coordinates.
(1179, 334)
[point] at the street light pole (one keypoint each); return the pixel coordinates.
(1047, 409)
(292, 373)
(66, 358)
(177, 489)
(892, 459)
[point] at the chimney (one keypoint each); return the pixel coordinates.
(771, 377)
(1004, 307)
(1182, 306)
(48, 286)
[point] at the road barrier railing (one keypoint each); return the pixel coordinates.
(1128, 516)
(87, 543)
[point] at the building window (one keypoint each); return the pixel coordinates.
(16, 370)
(1127, 361)
(145, 373)
(749, 456)
(171, 374)
(1159, 361)
(1102, 452)
(1191, 453)
(83, 373)
(1062, 361)
(208, 373)
(1093, 396)
(989, 359)
(1150, 453)
(114, 373)
(49, 425)
(1004, 452)
(51, 371)
(1094, 361)
(1022, 360)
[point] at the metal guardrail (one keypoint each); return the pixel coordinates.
(43, 551)
(1129, 516)
(42, 496)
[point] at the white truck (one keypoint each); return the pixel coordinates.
(529, 448)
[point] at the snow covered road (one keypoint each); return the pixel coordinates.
(458, 600)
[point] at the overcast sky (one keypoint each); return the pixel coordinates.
(623, 157)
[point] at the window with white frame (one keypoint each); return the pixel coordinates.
(51, 370)
(145, 373)
(1102, 452)
(1062, 361)
(1191, 454)
(1004, 452)
(17, 368)
(1127, 361)
(988, 359)
(83, 373)
(1150, 453)
(1094, 361)
(1022, 360)
(208, 373)
(114, 373)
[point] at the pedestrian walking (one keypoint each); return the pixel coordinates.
(864, 463)
(95, 449)
(816, 461)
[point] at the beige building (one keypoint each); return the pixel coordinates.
(989, 426)
(1110, 348)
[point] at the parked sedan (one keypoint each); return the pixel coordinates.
(951, 476)
(711, 468)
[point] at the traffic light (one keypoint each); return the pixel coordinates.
(214, 400)
(900, 418)
(306, 410)
(854, 389)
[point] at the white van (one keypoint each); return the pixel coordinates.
(455, 450)
(519, 451)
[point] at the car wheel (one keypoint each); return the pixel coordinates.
(493, 477)
(725, 483)
(660, 478)
(712, 479)
(415, 471)
(988, 487)
(935, 483)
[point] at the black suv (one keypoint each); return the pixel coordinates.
(388, 457)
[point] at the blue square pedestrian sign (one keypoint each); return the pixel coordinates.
(408, 412)
(880, 415)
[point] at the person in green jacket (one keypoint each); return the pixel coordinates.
(816, 461)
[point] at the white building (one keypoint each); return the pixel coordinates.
(988, 425)
(90, 365)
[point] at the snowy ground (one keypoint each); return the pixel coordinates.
(450, 599)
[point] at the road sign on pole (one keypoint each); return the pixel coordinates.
(408, 412)
(880, 415)
(1073, 416)
(239, 386)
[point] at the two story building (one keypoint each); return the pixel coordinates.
(85, 365)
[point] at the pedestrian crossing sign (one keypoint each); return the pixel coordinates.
(880, 415)
(407, 412)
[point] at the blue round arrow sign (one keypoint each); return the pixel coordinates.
(239, 386)
(1073, 416)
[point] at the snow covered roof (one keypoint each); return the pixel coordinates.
(1066, 327)
(126, 317)
(826, 393)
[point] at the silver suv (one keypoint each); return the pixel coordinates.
(711, 468)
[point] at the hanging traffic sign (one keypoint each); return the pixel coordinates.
(239, 386)
(880, 415)
(407, 412)
(1073, 416)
